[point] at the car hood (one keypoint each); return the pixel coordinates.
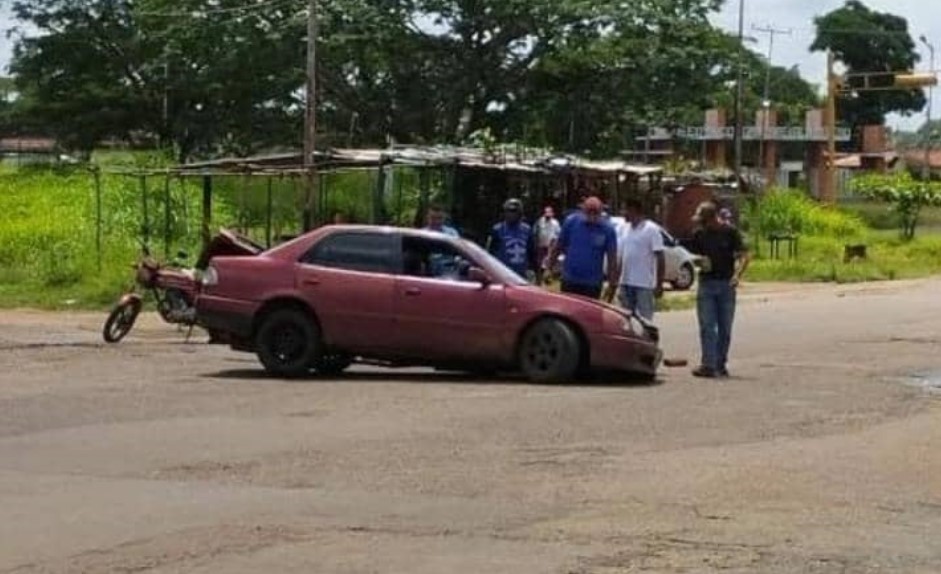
(575, 306)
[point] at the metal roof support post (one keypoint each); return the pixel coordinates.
(97, 174)
(375, 212)
(207, 209)
(270, 205)
(166, 217)
(146, 209)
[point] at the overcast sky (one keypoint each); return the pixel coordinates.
(924, 17)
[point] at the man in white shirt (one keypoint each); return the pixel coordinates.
(640, 251)
(547, 230)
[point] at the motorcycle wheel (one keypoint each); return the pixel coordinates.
(121, 320)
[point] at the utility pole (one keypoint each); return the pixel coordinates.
(739, 94)
(926, 169)
(771, 31)
(310, 117)
(828, 189)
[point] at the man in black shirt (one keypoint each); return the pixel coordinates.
(724, 260)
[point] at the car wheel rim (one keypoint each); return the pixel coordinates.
(287, 344)
(543, 351)
(685, 276)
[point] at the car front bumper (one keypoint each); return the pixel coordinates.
(625, 353)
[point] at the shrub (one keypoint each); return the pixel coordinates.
(907, 196)
(791, 211)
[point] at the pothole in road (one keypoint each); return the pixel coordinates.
(929, 381)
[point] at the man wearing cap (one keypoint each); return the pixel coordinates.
(588, 242)
(724, 261)
(512, 240)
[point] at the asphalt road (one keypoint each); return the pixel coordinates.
(819, 455)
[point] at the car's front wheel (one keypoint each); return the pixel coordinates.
(288, 343)
(550, 352)
(685, 277)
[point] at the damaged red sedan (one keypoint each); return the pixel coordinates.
(403, 298)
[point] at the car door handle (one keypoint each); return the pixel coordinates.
(311, 282)
(412, 292)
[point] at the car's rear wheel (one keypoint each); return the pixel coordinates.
(288, 343)
(550, 352)
(333, 364)
(685, 278)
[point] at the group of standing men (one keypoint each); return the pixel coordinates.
(628, 256)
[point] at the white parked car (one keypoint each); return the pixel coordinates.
(680, 264)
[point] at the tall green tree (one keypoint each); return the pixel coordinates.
(227, 76)
(865, 40)
(196, 77)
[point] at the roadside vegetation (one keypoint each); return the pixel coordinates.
(825, 232)
(49, 255)
(49, 240)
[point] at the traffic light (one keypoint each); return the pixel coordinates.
(881, 81)
(913, 81)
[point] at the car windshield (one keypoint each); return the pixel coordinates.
(505, 275)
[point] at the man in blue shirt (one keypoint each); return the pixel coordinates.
(512, 240)
(587, 240)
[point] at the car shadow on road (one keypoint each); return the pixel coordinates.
(393, 376)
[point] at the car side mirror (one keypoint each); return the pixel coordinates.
(478, 275)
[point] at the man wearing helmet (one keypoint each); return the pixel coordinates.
(512, 241)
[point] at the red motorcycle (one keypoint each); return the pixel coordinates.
(173, 287)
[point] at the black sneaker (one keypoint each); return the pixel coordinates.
(704, 372)
(723, 373)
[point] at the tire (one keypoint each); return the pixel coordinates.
(121, 320)
(686, 278)
(550, 352)
(333, 364)
(288, 344)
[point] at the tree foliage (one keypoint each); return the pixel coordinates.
(868, 41)
(907, 196)
(214, 76)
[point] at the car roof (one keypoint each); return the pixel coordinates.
(386, 229)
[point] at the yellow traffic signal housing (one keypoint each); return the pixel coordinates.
(913, 81)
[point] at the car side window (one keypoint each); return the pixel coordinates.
(667, 240)
(363, 252)
(434, 259)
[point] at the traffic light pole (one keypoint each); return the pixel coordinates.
(856, 83)
(310, 119)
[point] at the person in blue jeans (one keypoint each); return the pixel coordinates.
(724, 261)
(587, 241)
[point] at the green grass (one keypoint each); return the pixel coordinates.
(49, 243)
(676, 302)
(820, 259)
(879, 216)
(49, 256)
